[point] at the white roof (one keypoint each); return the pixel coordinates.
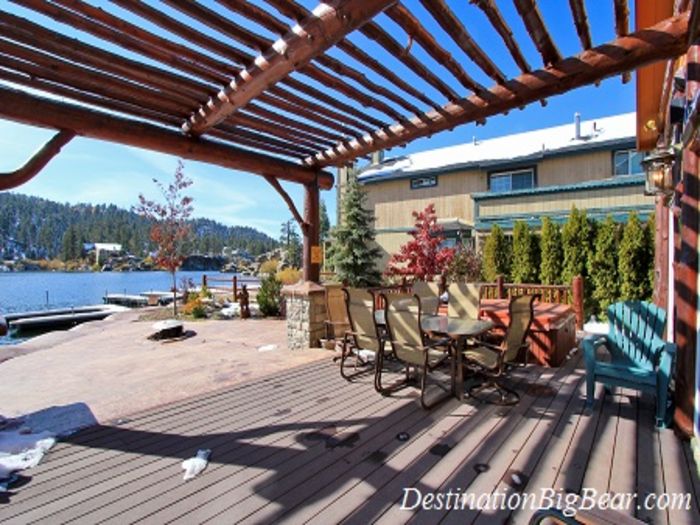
(510, 147)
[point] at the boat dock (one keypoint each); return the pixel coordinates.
(58, 318)
(154, 298)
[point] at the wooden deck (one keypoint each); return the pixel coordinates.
(310, 447)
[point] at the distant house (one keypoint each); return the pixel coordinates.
(524, 176)
(102, 249)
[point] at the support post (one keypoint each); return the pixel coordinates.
(661, 255)
(686, 283)
(311, 232)
(500, 289)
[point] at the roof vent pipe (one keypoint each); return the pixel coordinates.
(577, 125)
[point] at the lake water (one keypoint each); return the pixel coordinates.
(27, 291)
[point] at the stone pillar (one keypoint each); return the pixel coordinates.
(306, 313)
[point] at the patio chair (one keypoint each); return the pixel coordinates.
(363, 340)
(463, 300)
(429, 294)
(337, 323)
(639, 356)
(493, 361)
(411, 346)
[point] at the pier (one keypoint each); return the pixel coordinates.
(58, 318)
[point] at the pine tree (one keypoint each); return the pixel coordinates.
(550, 252)
(576, 242)
(422, 257)
(651, 253)
(354, 251)
(604, 279)
(497, 255)
(325, 223)
(523, 268)
(634, 261)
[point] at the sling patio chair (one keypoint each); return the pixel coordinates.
(363, 341)
(429, 294)
(463, 300)
(492, 362)
(337, 322)
(412, 347)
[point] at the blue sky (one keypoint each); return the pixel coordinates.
(99, 172)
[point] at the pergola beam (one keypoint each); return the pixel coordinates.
(494, 15)
(33, 110)
(330, 22)
(578, 10)
(534, 24)
(38, 161)
(622, 23)
(665, 40)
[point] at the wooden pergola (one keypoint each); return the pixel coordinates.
(286, 108)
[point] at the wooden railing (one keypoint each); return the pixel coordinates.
(226, 284)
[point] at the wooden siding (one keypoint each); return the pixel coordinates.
(550, 202)
(394, 201)
(570, 169)
(389, 243)
(309, 447)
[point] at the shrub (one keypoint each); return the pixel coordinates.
(634, 260)
(269, 266)
(576, 239)
(651, 252)
(289, 276)
(497, 255)
(524, 267)
(604, 279)
(550, 252)
(194, 307)
(465, 266)
(270, 295)
(422, 257)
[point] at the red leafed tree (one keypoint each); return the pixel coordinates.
(422, 257)
(170, 229)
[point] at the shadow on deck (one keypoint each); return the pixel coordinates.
(308, 446)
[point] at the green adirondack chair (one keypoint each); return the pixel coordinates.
(639, 356)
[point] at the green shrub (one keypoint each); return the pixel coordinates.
(497, 255)
(550, 252)
(651, 252)
(604, 279)
(270, 295)
(576, 242)
(524, 267)
(634, 261)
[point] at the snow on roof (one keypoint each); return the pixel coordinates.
(538, 143)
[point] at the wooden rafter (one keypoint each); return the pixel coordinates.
(306, 41)
(33, 110)
(622, 22)
(453, 27)
(409, 23)
(578, 10)
(494, 15)
(37, 162)
(664, 40)
(295, 11)
(530, 13)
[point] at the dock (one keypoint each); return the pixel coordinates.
(58, 318)
(123, 299)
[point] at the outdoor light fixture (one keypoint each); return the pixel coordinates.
(659, 173)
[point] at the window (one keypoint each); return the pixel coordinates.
(423, 182)
(627, 162)
(503, 181)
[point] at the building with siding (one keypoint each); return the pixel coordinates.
(525, 176)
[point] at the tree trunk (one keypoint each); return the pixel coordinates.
(174, 274)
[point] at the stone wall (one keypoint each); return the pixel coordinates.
(306, 313)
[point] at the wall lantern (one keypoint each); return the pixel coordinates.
(658, 166)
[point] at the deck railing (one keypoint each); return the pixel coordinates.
(226, 284)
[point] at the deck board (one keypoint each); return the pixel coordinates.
(308, 446)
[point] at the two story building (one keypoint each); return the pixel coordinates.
(525, 176)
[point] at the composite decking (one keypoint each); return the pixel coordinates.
(307, 446)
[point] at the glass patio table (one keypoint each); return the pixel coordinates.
(457, 329)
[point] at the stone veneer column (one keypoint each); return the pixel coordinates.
(306, 313)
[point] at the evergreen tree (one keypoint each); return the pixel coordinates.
(524, 267)
(354, 251)
(550, 252)
(325, 223)
(634, 261)
(269, 295)
(290, 240)
(576, 241)
(604, 279)
(497, 255)
(651, 252)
